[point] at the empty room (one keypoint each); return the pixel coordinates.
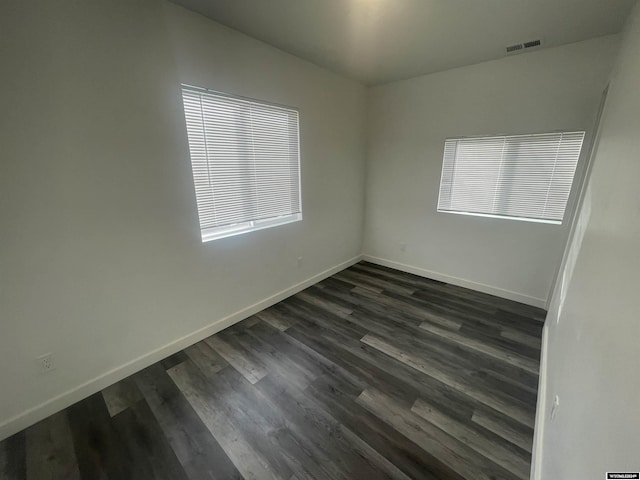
(319, 239)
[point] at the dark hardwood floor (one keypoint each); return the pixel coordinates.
(370, 374)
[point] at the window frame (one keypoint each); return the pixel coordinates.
(568, 204)
(214, 233)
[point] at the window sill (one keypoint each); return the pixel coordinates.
(504, 217)
(238, 229)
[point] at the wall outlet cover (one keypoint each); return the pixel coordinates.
(555, 407)
(46, 363)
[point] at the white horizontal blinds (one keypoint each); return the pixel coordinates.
(245, 158)
(522, 176)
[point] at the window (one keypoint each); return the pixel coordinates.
(520, 177)
(245, 156)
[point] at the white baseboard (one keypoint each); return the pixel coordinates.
(64, 400)
(460, 282)
(541, 409)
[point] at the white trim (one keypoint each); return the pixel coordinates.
(503, 217)
(209, 234)
(195, 88)
(541, 409)
(62, 401)
(461, 282)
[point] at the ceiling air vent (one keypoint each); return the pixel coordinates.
(532, 43)
(515, 48)
(521, 47)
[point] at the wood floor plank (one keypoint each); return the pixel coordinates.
(478, 299)
(308, 313)
(442, 288)
(339, 398)
(199, 453)
(373, 367)
(409, 309)
(477, 319)
(453, 453)
(388, 272)
(514, 433)
(515, 320)
(241, 326)
(306, 351)
(275, 319)
(322, 431)
(267, 427)
(360, 301)
(495, 451)
(396, 380)
(522, 338)
(205, 358)
(510, 387)
(523, 311)
(13, 465)
(496, 339)
(99, 449)
(479, 366)
(358, 279)
(468, 313)
(372, 316)
(237, 359)
(408, 281)
(324, 304)
(322, 461)
(361, 369)
(234, 397)
(444, 296)
(488, 398)
(482, 347)
(442, 357)
(475, 363)
(278, 360)
(120, 396)
(475, 298)
(143, 436)
(279, 344)
(519, 378)
(249, 462)
(388, 469)
(49, 450)
(339, 284)
(454, 305)
(174, 360)
(343, 297)
(455, 362)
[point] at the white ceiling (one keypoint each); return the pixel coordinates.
(377, 41)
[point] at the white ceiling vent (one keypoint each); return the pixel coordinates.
(522, 47)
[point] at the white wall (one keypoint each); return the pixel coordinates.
(592, 360)
(552, 89)
(101, 261)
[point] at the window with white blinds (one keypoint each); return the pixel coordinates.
(521, 177)
(245, 156)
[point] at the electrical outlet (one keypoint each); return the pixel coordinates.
(403, 247)
(46, 363)
(299, 262)
(555, 407)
